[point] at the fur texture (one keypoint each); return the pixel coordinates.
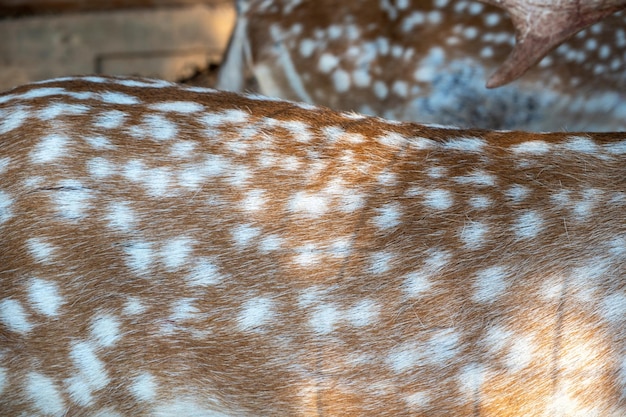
(172, 251)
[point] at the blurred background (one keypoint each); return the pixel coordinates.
(176, 40)
(412, 60)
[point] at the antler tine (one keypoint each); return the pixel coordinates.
(542, 25)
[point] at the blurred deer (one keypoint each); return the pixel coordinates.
(427, 60)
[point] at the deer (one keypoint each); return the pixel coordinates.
(427, 60)
(171, 250)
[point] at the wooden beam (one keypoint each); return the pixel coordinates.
(29, 7)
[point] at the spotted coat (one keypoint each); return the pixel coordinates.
(173, 251)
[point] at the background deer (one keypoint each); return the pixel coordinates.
(177, 251)
(428, 60)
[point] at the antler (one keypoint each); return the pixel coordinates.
(541, 25)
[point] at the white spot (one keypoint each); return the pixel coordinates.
(497, 338)
(581, 144)
(4, 164)
(521, 353)
(255, 313)
(469, 144)
(380, 262)
(480, 202)
(120, 216)
(492, 19)
(44, 92)
(306, 255)
(311, 205)
(584, 208)
(55, 110)
(204, 273)
(135, 170)
(617, 246)
(5, 207)
(307, 46)
(391, 139)
(3, 379)
(72, 199)
(470, 32)
(416, 18)
(13, 315)
(139, 256)
(528, 225)
(487, 52)
(112, 119)
(270, 243)
(388, 216)
(144, 387)
(533, 147)
(299, 129)
(79, 390)
(327, 63)
(181, 406)
(40, 250)
(183, 107)
(425, 74)
(310, 297)
(100, 167)
(106, 330)
(490, 284)
(133, 307)
(478, 178)
(387, 178)
(45, 296)
(517, 193)
(561, 198)
(473, 234)
(380, 90)
(157, 127)
(244, 234)
(323, 318)
(442, 347)
(183, 149)
(341, 80)
(175, 252)
(227, 117)
(44, 394)
(434, 17)
(438, 199)
(50, 148)
(363, 313)
(142, 83)
(361, 78)
(157, 181)
(184, 309)
(118, 98)
(471, 378)
(417, 283)
(92, 369)
(13, 119)
(254, 200)
(616, 148)
(614, 308)
(418, 400)
(400, 88)
(439, 350)
(351, 202)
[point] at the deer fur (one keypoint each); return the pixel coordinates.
(180, 251)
